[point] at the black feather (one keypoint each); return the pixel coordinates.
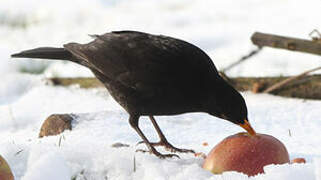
(45, 53)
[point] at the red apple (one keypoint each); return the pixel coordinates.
(245, 153)
(5, 172)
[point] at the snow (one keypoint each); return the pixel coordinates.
(58, 166)
(221, 28)
(86, 150)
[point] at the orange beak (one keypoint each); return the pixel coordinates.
(246, 125)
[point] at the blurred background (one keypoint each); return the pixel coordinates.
(221, 28)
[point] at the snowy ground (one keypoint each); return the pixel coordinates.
(221, 28)
(88, 148)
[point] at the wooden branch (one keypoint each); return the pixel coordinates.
(282, 42)
(287, 81)
(83, 82)
(309, 88)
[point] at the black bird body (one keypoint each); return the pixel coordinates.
(153, 75)
(149, 75)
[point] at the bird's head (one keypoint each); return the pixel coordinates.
(228, 104)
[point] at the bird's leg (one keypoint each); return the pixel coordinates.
(163, 141)
(133, 120)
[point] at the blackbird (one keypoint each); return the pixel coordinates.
(150, 75)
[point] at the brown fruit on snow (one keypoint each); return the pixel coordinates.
(298, 160)
(245, 153)
(205, 144)
(56, 124)
(5, 171)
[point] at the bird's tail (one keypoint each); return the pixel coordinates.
(45, 53)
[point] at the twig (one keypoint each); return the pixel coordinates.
(61, 137)
(317, 37)
(287, 81)
(17, 153)
(134, 163)
(242, 59)
(301, 81)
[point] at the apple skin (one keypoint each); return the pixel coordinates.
(5, 172)
(245, 153)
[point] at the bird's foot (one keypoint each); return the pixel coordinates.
(169, 147)
(159, 155)
(172, 148)
(152, 143)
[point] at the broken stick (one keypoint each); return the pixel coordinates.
(289, 43)
(308, 88)
(287, 81)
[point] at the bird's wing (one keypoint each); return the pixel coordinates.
(145, 62)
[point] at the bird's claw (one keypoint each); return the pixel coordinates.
(174, 149)
(152, 143)
(169, 147)
(156, 153)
